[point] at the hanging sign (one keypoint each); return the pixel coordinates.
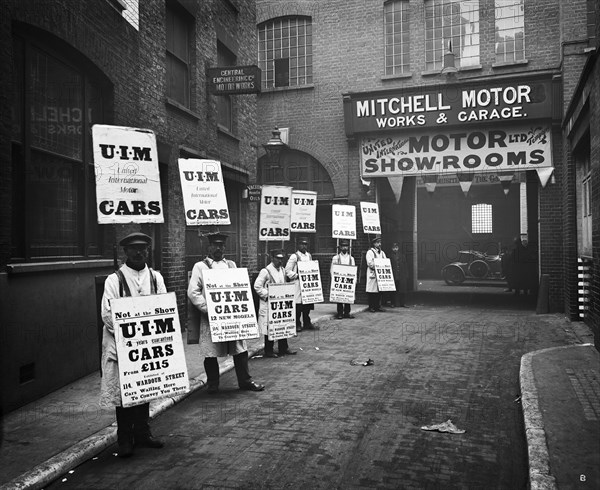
(343, 283)
(310, 282)
(203, 192)
(275, 213)
(127, 178)
(384, 275)
(304, 211)
(370, 217)
(343, 221)
(149, 348)
(281, 311)
(231, 313)
(464, 150)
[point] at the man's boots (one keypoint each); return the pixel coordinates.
(141, 428)
(125, 430)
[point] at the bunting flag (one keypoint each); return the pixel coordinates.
(430, 182)
(465, 180)
(505, 180)
(544, 174)
(396, 185)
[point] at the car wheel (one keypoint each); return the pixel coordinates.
(478, 269)
(453, 275)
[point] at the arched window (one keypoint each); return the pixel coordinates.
(55, 102)
(285, 52)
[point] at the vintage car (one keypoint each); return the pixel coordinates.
(472, 264)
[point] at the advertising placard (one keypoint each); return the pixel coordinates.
(343, 221)
(231, 313)
(304, 211)
(467, 150)
(149, 348)
(127, 179)
(229, 80)
(343, 283)
(281, 311)
(384, 275)
(204, 197)
(310, 282)
(275, 213)
(369, 212)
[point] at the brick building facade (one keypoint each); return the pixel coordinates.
(336, 63)
(69, 64)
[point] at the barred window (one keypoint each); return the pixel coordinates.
(510, 30)
(285, 52)
(397, 39)
(451, 23)
(481, 218)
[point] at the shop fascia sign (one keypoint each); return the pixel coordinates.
(233, 80)
(449, 105)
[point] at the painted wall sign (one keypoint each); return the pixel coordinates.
(230, 80)
(149, 348)
(304, 211)
(448, 105)
(127, 179)
(275, 213)
(343, 221)
(463, 150)
(203, 192)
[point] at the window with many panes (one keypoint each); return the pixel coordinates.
(179, 26)
(55, 102)
(510, 30)
(584, 173)
(285, 52)
(397, 40)
(451, 24)
(481, 218)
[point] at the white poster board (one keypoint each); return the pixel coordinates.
(231, 313)
(281, 311)
(149, 348)
(275, 213)
(343, 221)
(127, 178)
(343, 283)
(310, 282)
(304, 211)
(384, 275)
(369, 212)
(204, 198)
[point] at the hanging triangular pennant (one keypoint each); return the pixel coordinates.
(430, 182)
(505, 179)
(544, 174)
(465, 180)
(396, 185)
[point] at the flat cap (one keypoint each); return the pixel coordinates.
(344, 242)
(376, 238)
(135, 239)
(277, 252)
(216, 238)
(303, 239)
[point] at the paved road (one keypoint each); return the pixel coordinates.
(325, 423)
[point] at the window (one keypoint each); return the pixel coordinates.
(397, 40)
(584, 213)
(225, 102)
(510, 31)
(481, 218)
(178, 55)
(455, 24)
(285, 52)
(54, 202)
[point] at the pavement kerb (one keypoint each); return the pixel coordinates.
(537, 445)
(61, 463)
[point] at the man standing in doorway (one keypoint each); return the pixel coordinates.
(400, 271)
(208, 349)
(291, 271)
(372, 288)
(344, 258)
